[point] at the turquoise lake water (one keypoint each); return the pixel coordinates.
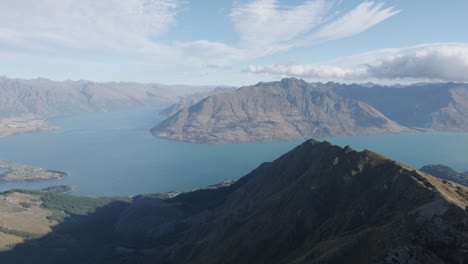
(108, 154)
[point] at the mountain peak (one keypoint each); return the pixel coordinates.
(318, 203)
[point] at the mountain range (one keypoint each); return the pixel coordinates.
(318, 203)
(294, 109)
(45, 98)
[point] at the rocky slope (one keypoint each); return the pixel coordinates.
(446, 173)
(318, 203)
(46, 98)
(289, 109)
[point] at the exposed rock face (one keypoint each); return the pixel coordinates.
(446, 173)
(316, 204)
(46, 98)
(290, 109)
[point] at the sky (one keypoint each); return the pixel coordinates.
(236, 42)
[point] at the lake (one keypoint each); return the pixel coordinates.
(110, 154)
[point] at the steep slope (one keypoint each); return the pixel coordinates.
(289, 109)
(438, 106)
(318, 203)
(446, 173)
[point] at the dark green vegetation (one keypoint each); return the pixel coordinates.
(318, 203)
(446, 173)
(63, 205)
(58, 189)
(294, 109)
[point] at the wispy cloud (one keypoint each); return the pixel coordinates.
(439, 61)
(121, 30)
(263, 23)
(133, 31)
(361, 18)
(85, 24)
(266, 25)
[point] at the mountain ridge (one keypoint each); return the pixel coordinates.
(45, 98)
(318, 203)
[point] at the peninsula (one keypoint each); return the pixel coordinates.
(10, 171)
(23, 124)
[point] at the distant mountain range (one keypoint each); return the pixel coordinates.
(319, 203)
(47, 98)
(294, 109)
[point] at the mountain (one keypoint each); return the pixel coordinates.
(289, 109)
(193, 99)
(437, 106)
(293, 109)
(46, 98)
(446, 173)
(318, 203)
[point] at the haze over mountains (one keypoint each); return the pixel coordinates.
(47, 98)
(294, 109)
(318, 203)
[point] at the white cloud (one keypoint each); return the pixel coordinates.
(437, 62)
(304, 71)
(447, 62)
(85, 24)
(268, 26)
(262, 23)
(361, 18)
(132, 31)
(129, 30)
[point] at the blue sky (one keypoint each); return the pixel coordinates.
(236, 42)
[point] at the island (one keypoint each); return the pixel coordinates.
(10, 171)
(23, 124)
